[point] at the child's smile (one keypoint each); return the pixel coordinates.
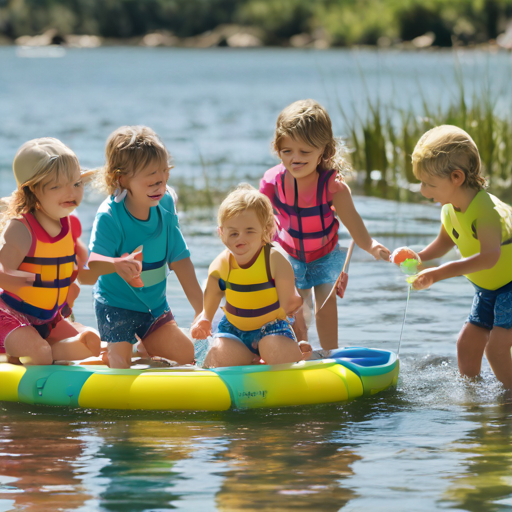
(146, 189)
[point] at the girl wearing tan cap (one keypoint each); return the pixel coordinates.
(38, 257)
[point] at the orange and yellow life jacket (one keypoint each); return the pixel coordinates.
(52, 260)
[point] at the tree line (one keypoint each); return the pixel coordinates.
(340, 22)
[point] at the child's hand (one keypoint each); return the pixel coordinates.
(201, 328)
(378, 251)
(425, 279)
(129, 267)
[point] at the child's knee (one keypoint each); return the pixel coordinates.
(41, 355)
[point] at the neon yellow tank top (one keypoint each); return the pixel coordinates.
(462, 229)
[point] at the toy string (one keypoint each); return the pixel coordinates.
(403, 321)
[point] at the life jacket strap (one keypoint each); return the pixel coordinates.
(28, 309)
(38, 260)
(251, 313)
(54, 283)
(226, 285)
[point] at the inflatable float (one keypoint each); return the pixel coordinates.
(346, 374)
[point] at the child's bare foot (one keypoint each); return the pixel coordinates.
(306, 350)
(92, 341)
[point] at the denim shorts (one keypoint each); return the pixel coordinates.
(492, 307)
(251, 339)
(324, 270)
(118, 324)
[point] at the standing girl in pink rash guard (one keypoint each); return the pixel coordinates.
(309, 195)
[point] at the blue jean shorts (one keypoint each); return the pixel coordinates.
(324, 270)
(251, 339)
(118, 324)
(492, 307)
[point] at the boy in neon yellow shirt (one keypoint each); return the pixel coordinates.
(447, 162)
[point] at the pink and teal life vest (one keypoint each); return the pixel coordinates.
(306, 233)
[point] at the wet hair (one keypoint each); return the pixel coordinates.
(23, 200)
(309, 122)
(129, 150)
(246, 197)
(447, 148)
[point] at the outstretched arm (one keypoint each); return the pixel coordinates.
(128, 266)
(439, 247)
(282, 273)
(347, 213)
(489, 235)
(186, 274)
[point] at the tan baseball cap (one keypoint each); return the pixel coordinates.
(35, 155)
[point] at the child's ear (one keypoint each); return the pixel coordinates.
(219, 231)
(458, 177)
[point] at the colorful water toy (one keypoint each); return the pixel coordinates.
(346, 374)
(406, 259)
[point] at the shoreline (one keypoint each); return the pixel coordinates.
(237, 37)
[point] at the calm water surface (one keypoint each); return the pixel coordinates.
(437, 442)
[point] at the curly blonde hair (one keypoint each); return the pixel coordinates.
(447, 148)
(24, 200)
(130, 149)
(308, 121)
(246, 197)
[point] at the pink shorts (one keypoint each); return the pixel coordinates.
(10, 320)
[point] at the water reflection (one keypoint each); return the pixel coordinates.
(485, 483)
(236, 460)
(37, 464)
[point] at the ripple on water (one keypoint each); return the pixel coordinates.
(435, 381)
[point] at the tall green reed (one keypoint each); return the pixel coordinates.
(383, 140)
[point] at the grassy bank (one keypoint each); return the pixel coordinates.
(382, 142)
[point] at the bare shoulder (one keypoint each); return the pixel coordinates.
(278, 261)
(17, 235)
(341, 189)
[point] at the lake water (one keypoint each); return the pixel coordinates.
(436, 442)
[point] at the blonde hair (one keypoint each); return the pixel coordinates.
(308, 121)
(447, 148)
(246, 197)
(23, 200)
(130, 149)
